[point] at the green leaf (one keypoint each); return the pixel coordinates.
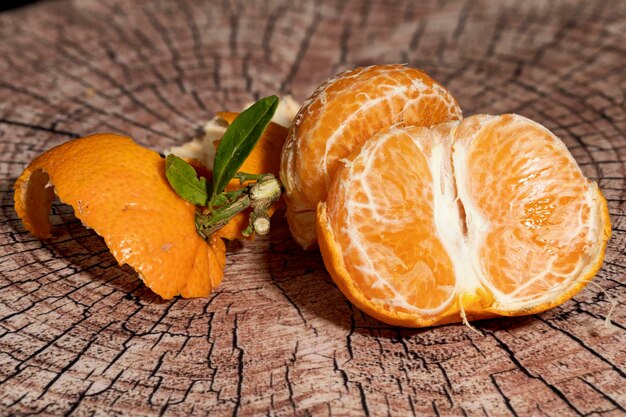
(239, 140)
(184, 180)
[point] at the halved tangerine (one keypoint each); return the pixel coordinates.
(341, 114)
(490, 216)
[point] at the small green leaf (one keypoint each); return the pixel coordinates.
(239, 140)
(185, 182)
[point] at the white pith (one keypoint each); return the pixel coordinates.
(449, 221)
(454, 210)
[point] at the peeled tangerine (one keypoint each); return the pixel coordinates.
(119, 189)
(488, 216)
(344, 112)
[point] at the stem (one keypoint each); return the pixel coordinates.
(209, 223)
(244, 176)
(259, 195)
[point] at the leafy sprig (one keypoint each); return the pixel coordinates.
(260, 191)
(239, 139)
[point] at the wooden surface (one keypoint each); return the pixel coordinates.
(81, 336)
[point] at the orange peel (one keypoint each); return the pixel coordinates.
(119, 189)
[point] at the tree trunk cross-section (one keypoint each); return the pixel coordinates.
(82, 336)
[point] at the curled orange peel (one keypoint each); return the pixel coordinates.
(119, 189)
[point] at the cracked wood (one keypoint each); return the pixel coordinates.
(80, 335)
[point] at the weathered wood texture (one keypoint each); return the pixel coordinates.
(82, 336)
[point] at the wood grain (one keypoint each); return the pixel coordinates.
(81, 336)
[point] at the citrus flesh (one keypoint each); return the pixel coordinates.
(488, 216)
(341, 114)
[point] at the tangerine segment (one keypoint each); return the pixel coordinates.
(119, 189)
(539, 226)
(344, 112)
(379, 223)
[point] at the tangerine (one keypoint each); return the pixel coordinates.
(485, 217)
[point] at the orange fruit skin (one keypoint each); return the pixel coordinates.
(119, 189)
(477, 302)
(341, 114)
